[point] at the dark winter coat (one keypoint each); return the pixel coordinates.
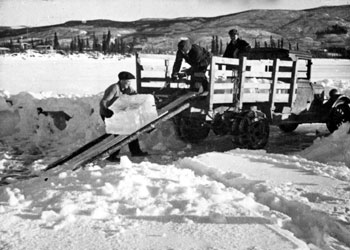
(235, 48)
(197, 57)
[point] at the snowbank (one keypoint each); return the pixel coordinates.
(54, 125)
(333, 149)
(40, 124)
(118, 200)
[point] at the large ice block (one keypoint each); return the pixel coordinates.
(131, 112)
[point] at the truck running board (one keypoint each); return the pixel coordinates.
(109, 143)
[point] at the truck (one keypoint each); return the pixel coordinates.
(266, 86)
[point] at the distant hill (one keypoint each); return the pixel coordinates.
(310, 29)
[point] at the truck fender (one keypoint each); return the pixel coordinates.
(343, 99)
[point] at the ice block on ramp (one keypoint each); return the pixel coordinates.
(131, 112)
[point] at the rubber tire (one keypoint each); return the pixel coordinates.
(338, 115)
(235, 131)
(192, 130)
(288, 127)
(253, 134)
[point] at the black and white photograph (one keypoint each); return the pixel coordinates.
(174, 125)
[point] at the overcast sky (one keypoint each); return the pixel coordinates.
(45, 12)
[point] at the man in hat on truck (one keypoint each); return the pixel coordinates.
(111, 94)
(198, 58)
(236, 46)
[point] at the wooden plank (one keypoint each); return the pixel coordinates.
(224, 60)
(283, 86)
(255, 97)
(284, 74)
(308, 65)
(158, 56)
(284, 63)
(262, 74)
(273, 84)
(264, 97)
(259, 63)
(211, 83)
(89, 145)
(242, 77)
(256, 85)
(282, 98)
(228, 85)
(222, 98)
(302, 75)
(138, 73)
(293, 85)
(153, 67)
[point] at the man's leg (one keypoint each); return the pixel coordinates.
(135, 149)
(114, 156)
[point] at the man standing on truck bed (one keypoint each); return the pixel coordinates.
(198, 58)
(236, 46)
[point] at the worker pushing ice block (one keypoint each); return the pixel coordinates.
(131, 112)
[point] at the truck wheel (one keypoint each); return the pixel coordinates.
(192, 130)
(338, 116)
(235, 131)
(253, 132)
(219, 125)
(289, 127)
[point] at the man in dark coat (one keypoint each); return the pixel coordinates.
(197, 57)
(236, 46)
(111, 94)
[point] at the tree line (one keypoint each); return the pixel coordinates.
(120, 45)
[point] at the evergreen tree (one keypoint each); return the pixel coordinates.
(72, 46)
(80, 45)
(104, 43)
(87, 43)
(217, 45)
(56, 45)
(221, 47)
(94, 42)
(11, 44)
(108, 40)
(213, 45)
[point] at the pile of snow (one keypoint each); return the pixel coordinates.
(118, 200)
(127, 189)
(39, 124)
(333, 149)
(54, 125)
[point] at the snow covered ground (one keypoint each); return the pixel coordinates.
(207, 196)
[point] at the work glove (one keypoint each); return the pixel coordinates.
(108, 113)
(174, 77)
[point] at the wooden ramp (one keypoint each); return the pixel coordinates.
(108, 143)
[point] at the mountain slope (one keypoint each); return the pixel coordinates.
(294, 26)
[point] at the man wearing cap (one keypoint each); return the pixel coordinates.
(111, 94)
(236, 46)
(197, 57)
